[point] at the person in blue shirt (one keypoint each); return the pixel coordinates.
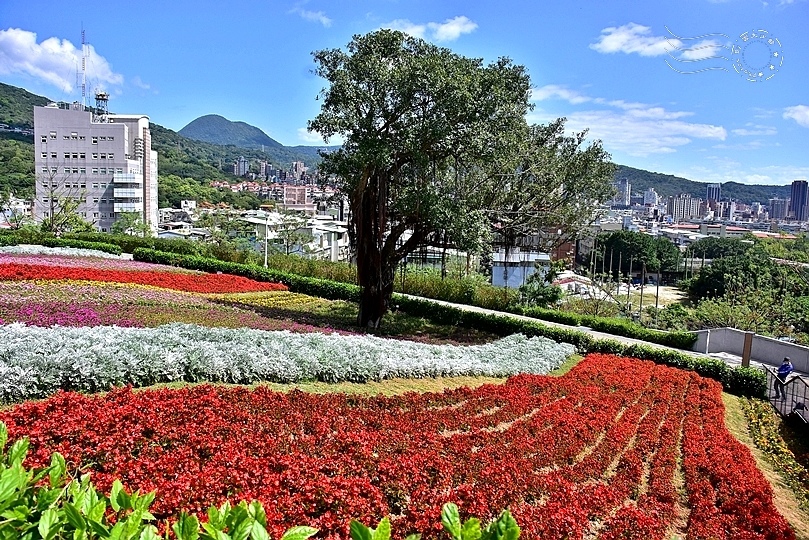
(780, 382)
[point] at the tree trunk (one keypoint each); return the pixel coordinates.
(376, 270)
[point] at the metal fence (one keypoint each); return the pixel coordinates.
(797, 394)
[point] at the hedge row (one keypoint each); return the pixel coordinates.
(740, 381)
(611, 325)
(14, 240)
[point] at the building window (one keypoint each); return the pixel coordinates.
(75, 170)
(44, 155)
(103, 186)
(119, 170)
(53, 155)
(82, 137)
(95, 140)
(66, 137)
(46, 200)
(103, 229)
(82, 155)
(44, 170)
(95, 171)
(103, 138)
(95, 214)
(110, 138)
(67, 155)
(110, 156)
(44, 139)
(95, 200)
(95, 156)
(103, 170)
(54, 170)
(53, 135)
(95, 186)
(103, 156)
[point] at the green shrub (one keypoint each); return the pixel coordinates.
(82, 244)
(746, 381)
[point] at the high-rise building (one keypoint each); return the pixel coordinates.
(103, 164)
(778, 208)
(650, 197)
(713, 192)
(683, 207)
(624, 192)
(241, 166)
(798, 200)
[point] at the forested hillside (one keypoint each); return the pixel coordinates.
(667, 185)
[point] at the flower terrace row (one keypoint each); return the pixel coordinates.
(618, 448)
(92, 303)
(37, 361)
(201, 283)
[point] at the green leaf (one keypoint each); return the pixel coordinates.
(97, 510)
(256, 511)
(471, 529)
(117, 487)
(258, 532)
(187, 527)
(451, 520)
(10, 481)
(360, 531)
(80, 534)
(299, 533)
(99, 529)
(123, 499)
(3, 439)
(18, 451)
(49, 524)
(56, 474)
(415, 536)
(149, 533)
(382, 531)
(74, 517)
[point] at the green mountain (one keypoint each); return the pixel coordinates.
(17, 106)
(667, 185)
(216, 129)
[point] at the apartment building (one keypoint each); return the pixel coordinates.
(103, 162)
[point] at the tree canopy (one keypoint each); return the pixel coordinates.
(436, 148)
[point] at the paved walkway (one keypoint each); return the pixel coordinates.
(730, 359)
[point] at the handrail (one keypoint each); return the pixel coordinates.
(797, 394)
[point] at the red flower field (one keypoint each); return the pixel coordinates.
(618, 448)
(200, 283)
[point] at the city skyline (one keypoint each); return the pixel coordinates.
(611, 67)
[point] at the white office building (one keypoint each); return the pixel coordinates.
(104, 162)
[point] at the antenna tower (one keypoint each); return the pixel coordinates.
(84, 54)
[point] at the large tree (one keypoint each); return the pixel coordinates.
(419, 124)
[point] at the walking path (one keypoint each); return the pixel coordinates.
(730, 359)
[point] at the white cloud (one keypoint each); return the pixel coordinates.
(636, 135)
(634, 38)
(799, 113)
(313, 16)
(53, 61)
(137, 81)
(316, 139)
(558, 91)
(404, 25)
(754, 130)
(449, 30)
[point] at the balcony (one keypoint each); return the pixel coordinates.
(128, 207)
(127, 193)
(127, 178)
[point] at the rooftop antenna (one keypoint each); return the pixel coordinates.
(102, 106)
(84, 53)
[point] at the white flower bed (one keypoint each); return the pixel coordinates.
(35, 361)
(30, 249)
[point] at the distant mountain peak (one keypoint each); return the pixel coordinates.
(216, 129)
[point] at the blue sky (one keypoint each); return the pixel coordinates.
(660, 83)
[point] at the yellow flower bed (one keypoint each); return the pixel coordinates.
(272, 300)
